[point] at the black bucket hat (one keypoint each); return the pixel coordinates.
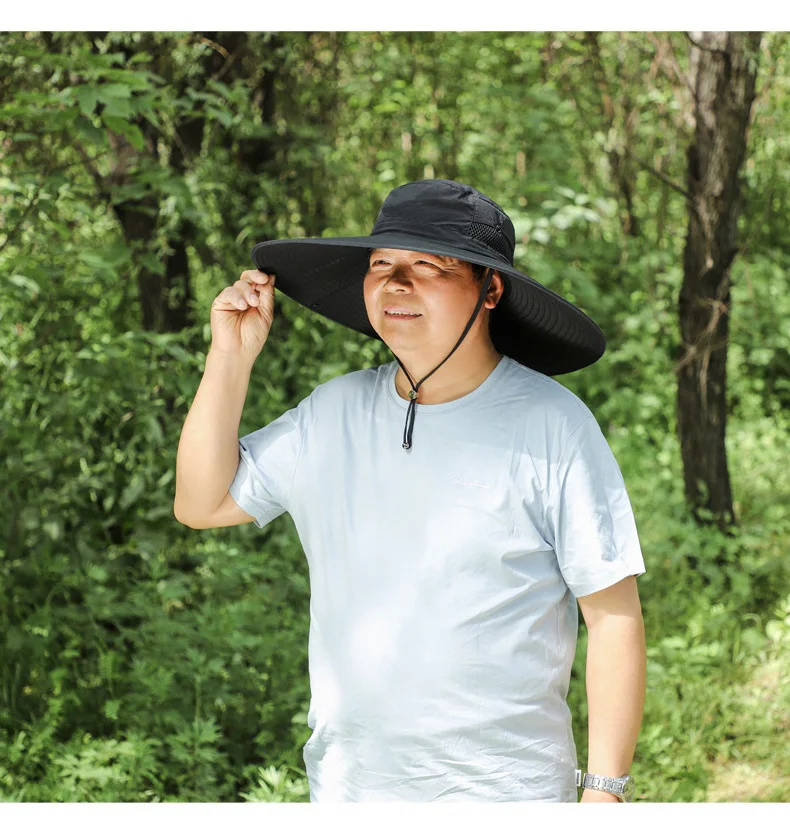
(530, 323)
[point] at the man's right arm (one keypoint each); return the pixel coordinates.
(208, 451)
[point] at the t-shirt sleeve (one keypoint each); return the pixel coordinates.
(268, 460)
(595, 536)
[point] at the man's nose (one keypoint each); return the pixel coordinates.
(399, 277)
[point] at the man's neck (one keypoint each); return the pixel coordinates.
(444, 386)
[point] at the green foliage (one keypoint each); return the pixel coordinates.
(277, 785)
(142, 661)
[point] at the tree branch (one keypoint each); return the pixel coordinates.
(90, 168)
(216, 47)
(661, 177)
(76, 163)
(15, 229)
(671, 60)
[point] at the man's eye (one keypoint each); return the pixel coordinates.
(385, 262)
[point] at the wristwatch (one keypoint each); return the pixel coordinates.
(622, 787)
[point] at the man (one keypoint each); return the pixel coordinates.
(445, 565)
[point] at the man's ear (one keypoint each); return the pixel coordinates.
(495, 289)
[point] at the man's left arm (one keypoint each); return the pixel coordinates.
(616, 680)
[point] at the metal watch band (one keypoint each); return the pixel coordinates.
(604, 783)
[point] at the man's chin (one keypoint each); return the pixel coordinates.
(403, 342)
(401, 334)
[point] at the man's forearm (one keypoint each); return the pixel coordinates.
(616, 679)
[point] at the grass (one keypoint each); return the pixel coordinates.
(755, 765)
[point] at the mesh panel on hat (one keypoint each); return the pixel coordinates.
(490, 236)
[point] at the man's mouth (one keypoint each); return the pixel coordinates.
(402, 315)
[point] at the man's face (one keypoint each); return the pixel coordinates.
(441, 290)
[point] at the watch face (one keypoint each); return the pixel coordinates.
(628, 789)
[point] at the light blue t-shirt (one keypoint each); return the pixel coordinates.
(443, 578)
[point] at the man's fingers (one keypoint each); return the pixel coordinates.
(255, 276)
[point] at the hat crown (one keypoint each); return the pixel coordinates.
(443, 210)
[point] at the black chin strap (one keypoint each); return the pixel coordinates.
(409, 427)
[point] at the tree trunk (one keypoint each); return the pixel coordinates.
(723, 68)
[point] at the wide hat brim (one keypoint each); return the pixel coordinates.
(531, 324)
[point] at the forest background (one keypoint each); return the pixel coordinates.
(141, 660)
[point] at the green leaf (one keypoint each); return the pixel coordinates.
(87, 96)
(89, 132)
(98, 573)
(222, 88)
(132, 492)
(223, 117)
(128, 130)
(152, 262)
(28, 285)
(387, 107)
(139, 57)
(118, 108)
(111, 709)
(112, 91)
(151, 117)
(94, 260)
